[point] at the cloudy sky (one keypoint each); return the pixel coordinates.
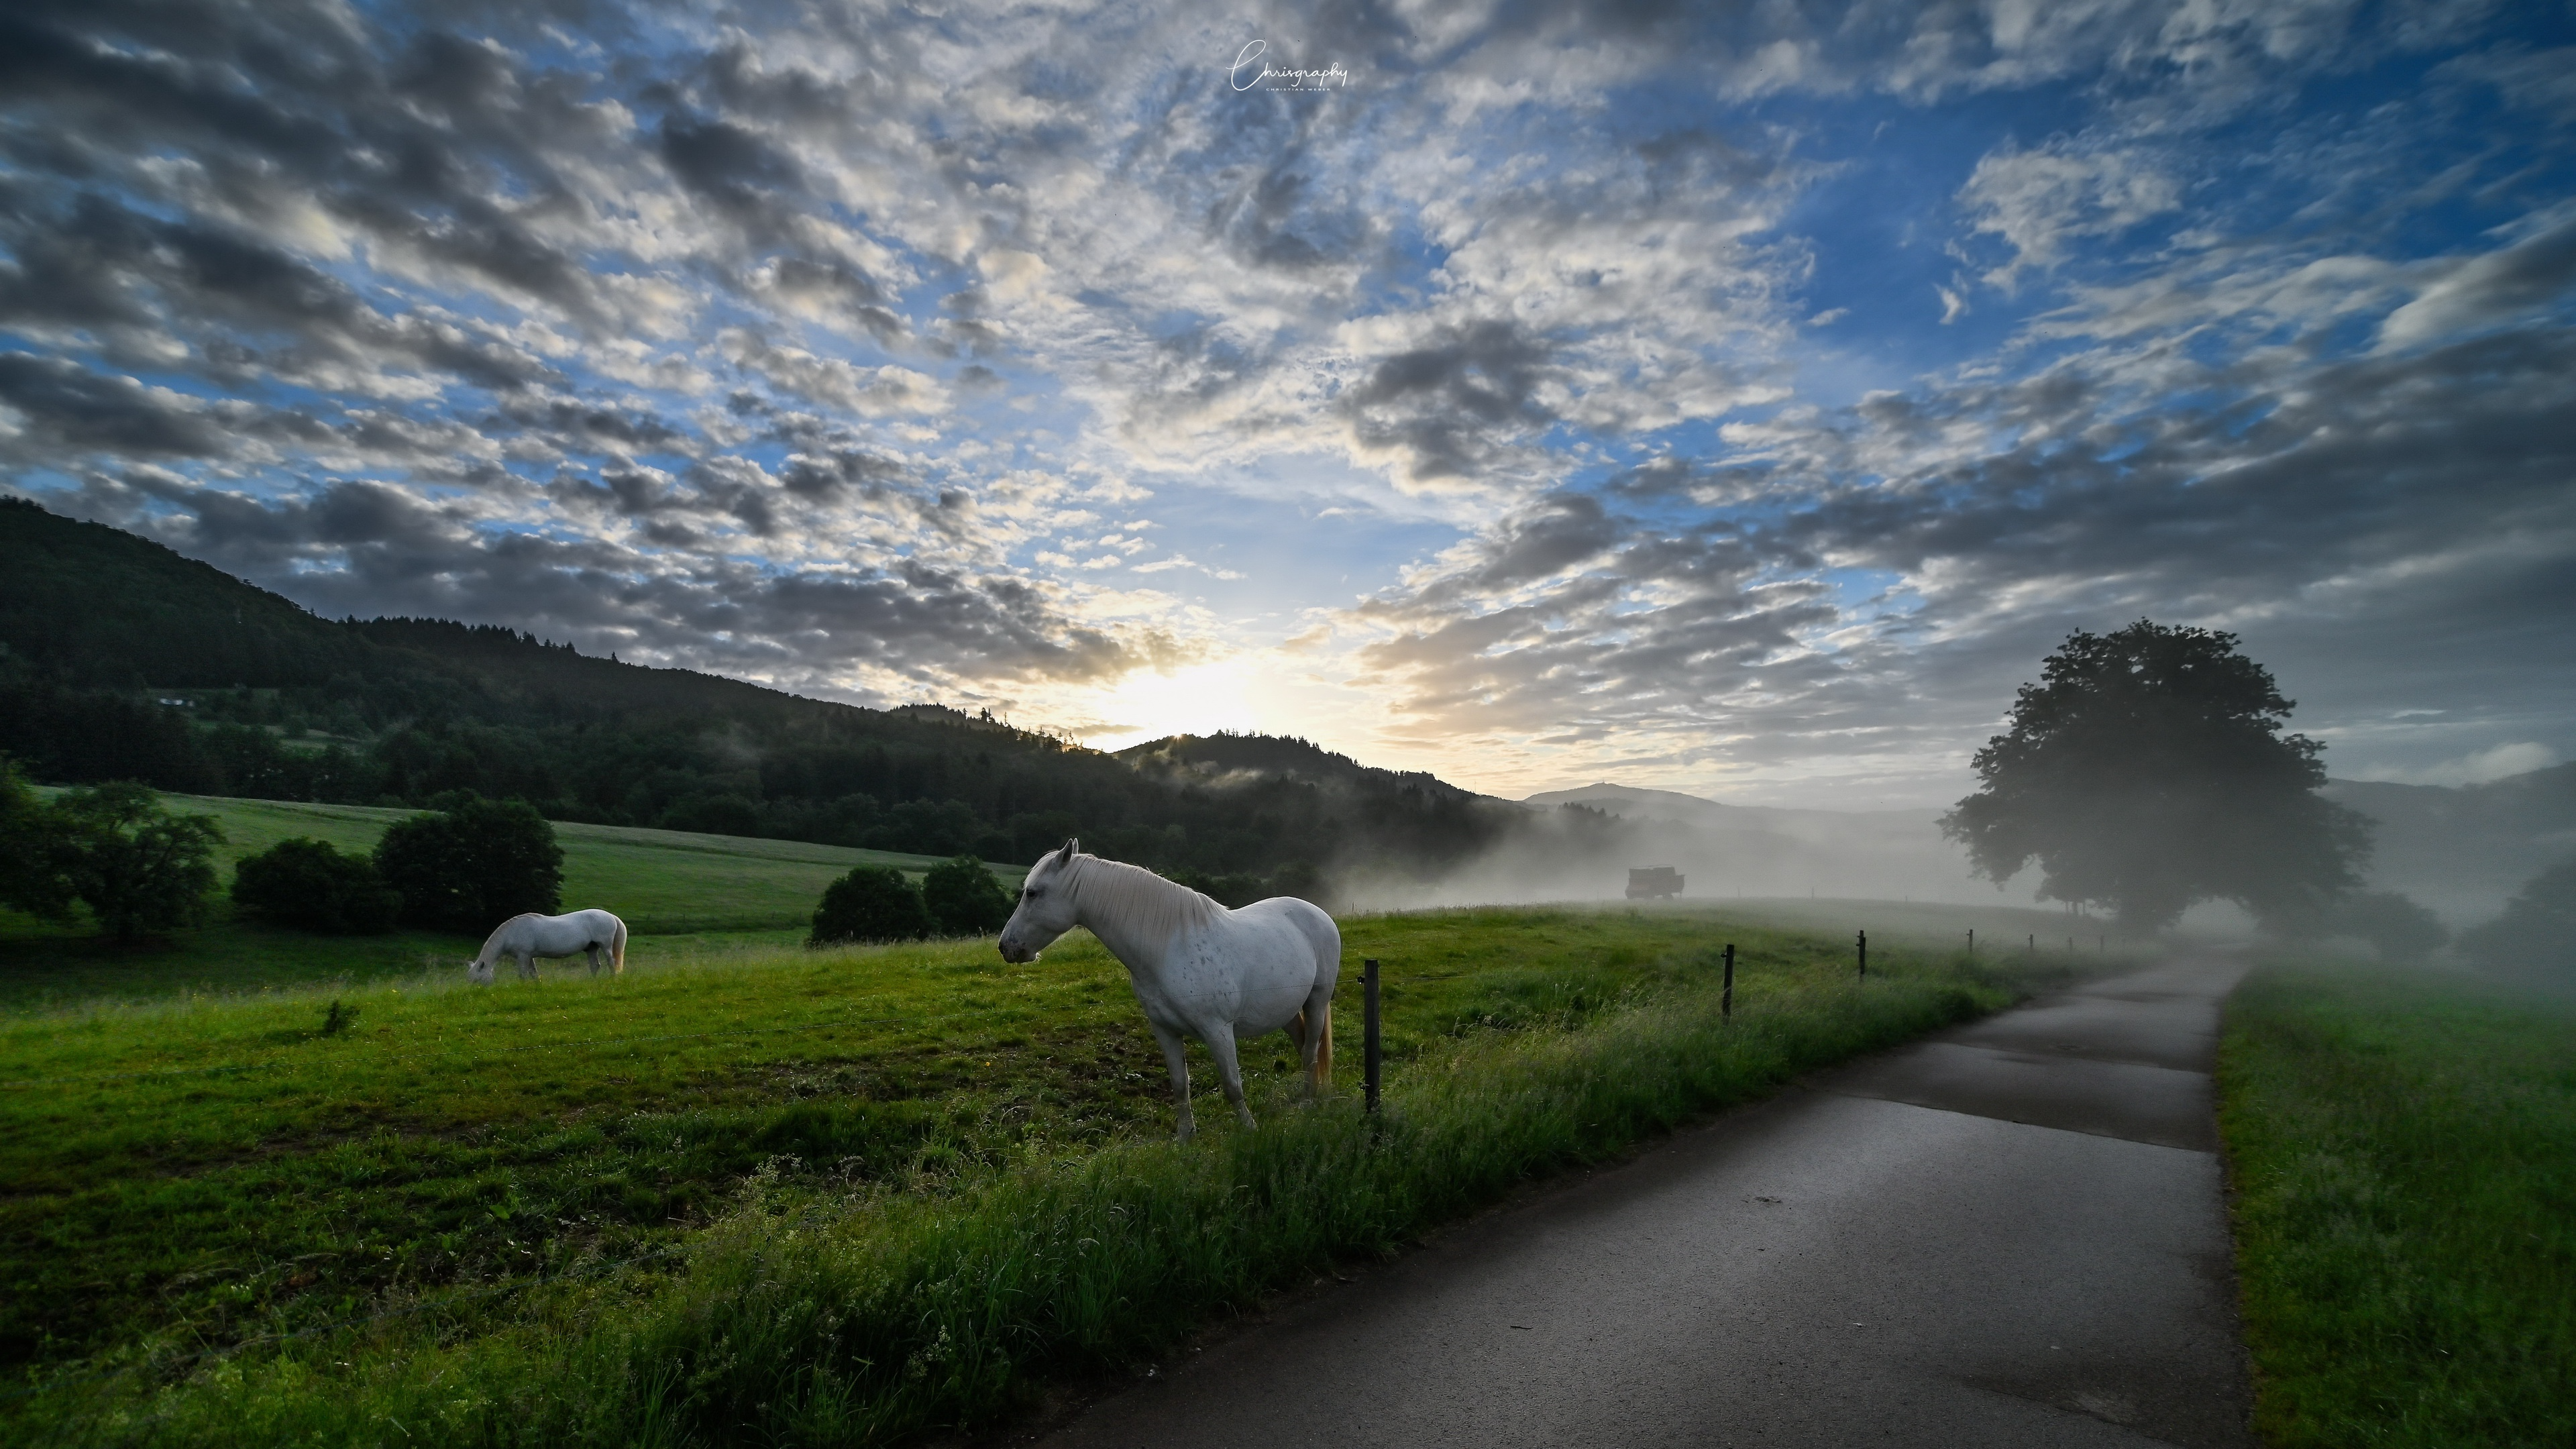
(1734, 399)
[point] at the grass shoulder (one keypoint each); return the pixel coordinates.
(2402, 1146)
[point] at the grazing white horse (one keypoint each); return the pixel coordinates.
(1197, 968)
(526, 937)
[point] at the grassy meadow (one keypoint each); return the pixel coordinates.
(681, 894)
(2403, 1150)
(752, 1192)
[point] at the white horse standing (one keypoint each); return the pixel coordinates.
(526, 937)
(1197, 968)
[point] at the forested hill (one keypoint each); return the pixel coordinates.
(120, 659)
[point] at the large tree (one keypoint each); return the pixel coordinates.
(2147, 771)
(138, 868)
(473, 866)
(964, 899)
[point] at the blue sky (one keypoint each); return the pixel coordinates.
(1735, 400)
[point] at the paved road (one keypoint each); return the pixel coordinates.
(2010, 1234)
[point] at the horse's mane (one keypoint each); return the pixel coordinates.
(1135, 903)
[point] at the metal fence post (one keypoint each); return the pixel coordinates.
(1371, 1043)
(1726, 994)
(1864, 955)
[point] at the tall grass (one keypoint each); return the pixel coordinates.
(2403, 1147)
(878, 1315)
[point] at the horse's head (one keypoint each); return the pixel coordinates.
(1046, 906)
(479, 972)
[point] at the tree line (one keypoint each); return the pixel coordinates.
(121, 660)
(138, 868)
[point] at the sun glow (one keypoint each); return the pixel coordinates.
(1227, 694)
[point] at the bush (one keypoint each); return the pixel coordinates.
(871, 903)
(34, 849)
(2401, 931)
(135, 865)
(472, 867)
(964, 899)
(2536, 936)
(306, 884)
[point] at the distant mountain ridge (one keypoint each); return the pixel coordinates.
(2461, 849)
(1673, 805)
(98, 627)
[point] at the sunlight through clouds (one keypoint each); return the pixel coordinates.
(1561, 365)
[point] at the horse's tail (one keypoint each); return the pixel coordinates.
(617, 948)
(1323, 1073)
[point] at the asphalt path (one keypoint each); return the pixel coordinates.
(2008, 1234)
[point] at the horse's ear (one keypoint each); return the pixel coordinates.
(1065, 856)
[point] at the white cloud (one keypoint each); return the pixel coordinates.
(2041, 202)
(2477, 768)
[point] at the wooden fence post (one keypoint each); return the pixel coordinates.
(1726, 994)
(1371, 1043)
(1864, 955)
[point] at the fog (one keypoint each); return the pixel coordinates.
(2459, 851)
(1722, 852)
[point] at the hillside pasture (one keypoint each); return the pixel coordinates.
(681, 894)
(202, 1186)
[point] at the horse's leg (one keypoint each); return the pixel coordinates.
(1220, 1045)
(1315, 1044)
(527, 965)
(1175, 1057)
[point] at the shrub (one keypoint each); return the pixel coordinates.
(306, 884)
(472, 867)
(2536, 935)
(2397, 928)
(964, 899)
(34, 849)
(135, 865)
(871, 903)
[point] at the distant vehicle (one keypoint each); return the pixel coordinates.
(1654, 882)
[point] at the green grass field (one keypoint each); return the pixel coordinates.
(2403, 1151)
(681, 894)
(206, 1193)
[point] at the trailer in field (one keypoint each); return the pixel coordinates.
(1654, 882)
